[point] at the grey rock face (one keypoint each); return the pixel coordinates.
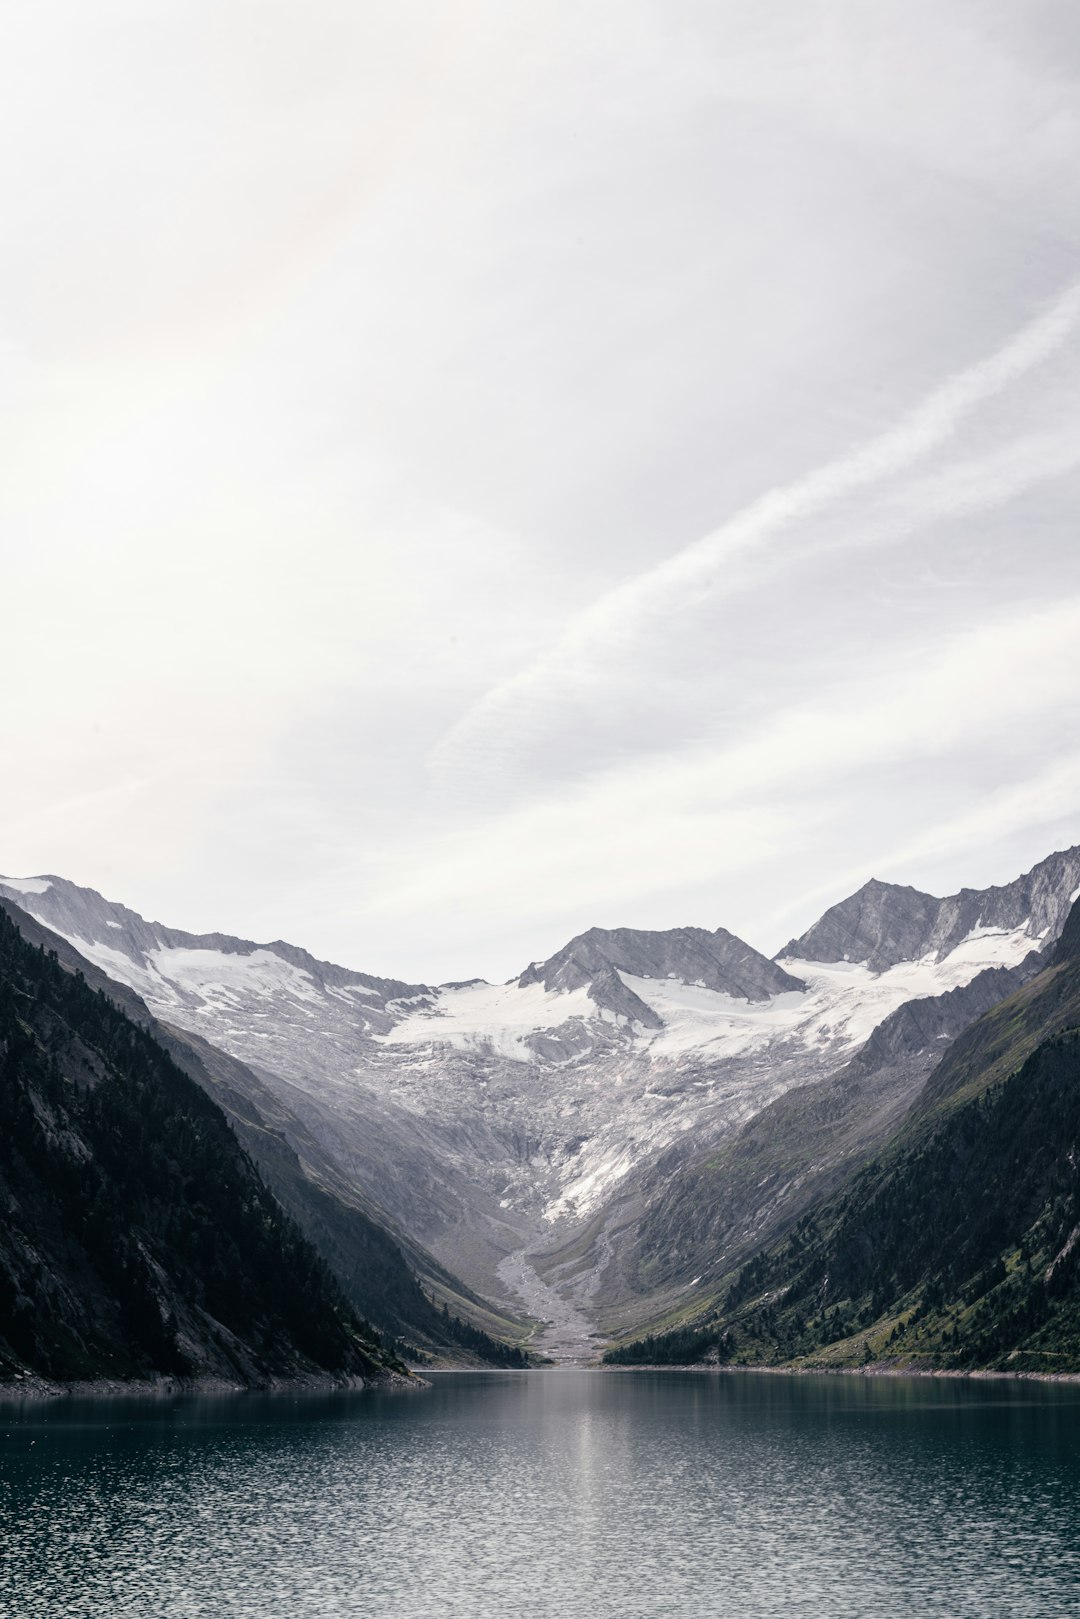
(718, 961)
(881, 924)
(884, 923)
(607, 990)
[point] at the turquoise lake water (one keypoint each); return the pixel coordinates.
(570, 1493)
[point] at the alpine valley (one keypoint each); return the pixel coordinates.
(652, 1139)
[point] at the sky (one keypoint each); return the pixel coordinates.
(476, 471)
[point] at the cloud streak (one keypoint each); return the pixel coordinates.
(612, 624)
(694, 817)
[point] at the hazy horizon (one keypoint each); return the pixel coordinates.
(473, 475)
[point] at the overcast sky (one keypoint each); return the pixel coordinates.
(472, 471)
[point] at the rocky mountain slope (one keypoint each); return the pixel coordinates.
(701, 1215)
(137, 1238)
(533, 1134)
(390, 1280)
(883, 924)
(958, 1244)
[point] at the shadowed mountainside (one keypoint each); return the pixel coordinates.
(392, 1282)
(138, 1238)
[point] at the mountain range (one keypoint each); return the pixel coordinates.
(595, 1143)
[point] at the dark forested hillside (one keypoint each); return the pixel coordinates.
(137, 1236)
(959, 1245)
(411, 1299)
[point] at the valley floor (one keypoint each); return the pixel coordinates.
(568, 1337)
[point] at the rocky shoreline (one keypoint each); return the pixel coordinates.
(32, 1387)
(976, 1374)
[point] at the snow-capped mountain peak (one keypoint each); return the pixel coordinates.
(883, 924)
(717, 961)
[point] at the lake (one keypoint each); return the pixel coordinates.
(566, 1493)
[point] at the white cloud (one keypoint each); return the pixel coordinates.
(613, 624)
(366, 372)
(707, 813)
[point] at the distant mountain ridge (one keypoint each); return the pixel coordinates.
(83, 914)
(717, 961)
(885, 923)
(550, 1115)
(881, 925)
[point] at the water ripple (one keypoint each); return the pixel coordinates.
(575, 1494)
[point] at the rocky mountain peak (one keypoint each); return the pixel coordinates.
(884, 923)
(717, 960)
(881, 924)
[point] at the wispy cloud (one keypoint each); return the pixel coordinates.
(690, 819)
(611, 625)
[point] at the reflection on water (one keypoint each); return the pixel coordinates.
(556, 1493)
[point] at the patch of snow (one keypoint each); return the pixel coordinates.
(695, 1018)
(217, 974)
(843, 1003)
(407, 1000)
(497, 1017)
(350, 990)
(992, 947)
(126, 970)
(586, 1192)
(866, 998)
(26, 885)
(205, 981)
